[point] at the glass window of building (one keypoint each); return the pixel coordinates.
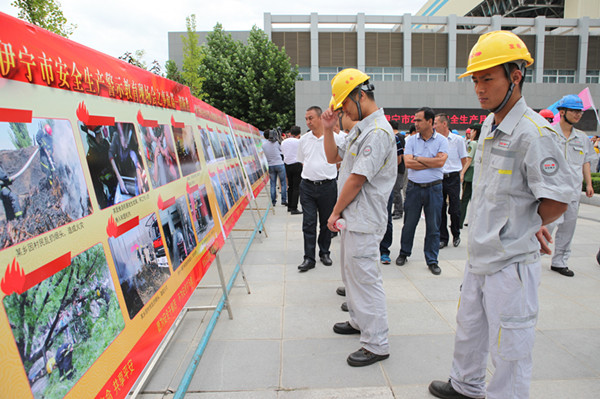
(593, 76)
(428, 74)
(303, 73)
(559, 76)
(387, 74)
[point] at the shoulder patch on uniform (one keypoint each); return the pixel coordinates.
(367, 151)
(549, 166)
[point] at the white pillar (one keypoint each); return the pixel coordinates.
(314, 46)
(451, 48)
(540, 40)
(360, 41)
(406, 31)
(268, 27)
(584, 37)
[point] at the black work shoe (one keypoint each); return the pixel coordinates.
(284, 203)
(401, 260)
(443, 244)
(341, 291)
(326, 260)
(345, 328)
(444, 390)
(563, 270)
(456, 241)
(396, 216)
(435, 269)
(363, 357)
(295, 212)
(344, 306)
(306, 265)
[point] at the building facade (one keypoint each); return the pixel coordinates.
(419, 57)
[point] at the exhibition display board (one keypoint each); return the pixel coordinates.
(118, 189)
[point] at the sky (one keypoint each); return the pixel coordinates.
(117, 26)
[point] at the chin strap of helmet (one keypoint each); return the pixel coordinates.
(511, 88)
(565, 118)
(366, 86)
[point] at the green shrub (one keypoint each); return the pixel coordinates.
(595, 183)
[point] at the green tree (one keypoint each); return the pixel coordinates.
(136, 58)
(19, 135)
(192, 58)
(221, 68)
(172, 72)
(45, 14)
(253, 82)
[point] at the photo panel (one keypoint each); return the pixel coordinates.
(42, 184)
(215, 143)
(113, 157)
(63, 324)
(209, 155)
(178, 231)
(187, 151)
(201, 213)
(223, 206)
(159, 150)
(141, 262)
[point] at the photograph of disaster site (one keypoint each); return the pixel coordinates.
(187, 150)
(159, 149)
(201, 213)
(178, 231)
(113, 157)
(41, 179)
(141, 262)
(63, 324)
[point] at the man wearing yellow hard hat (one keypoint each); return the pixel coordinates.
(520, 182)
(366, 177)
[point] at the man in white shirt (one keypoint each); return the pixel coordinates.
(457, 158)
(318, 191)
(293, 168)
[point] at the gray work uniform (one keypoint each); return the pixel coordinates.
(516, 165)
(578, 151)
(368, 150)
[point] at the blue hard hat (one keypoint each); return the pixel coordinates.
(570, 101)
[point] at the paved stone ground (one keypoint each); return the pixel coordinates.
(280, 342)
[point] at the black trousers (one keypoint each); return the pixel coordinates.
(317, 201)
(450, 204)
(293, 173)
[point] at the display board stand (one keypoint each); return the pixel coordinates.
(224, 302)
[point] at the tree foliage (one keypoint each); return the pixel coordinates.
(137, 58)
(19, 135)
(253, 82)
(192, 58)
(172, 72)
(46, 14)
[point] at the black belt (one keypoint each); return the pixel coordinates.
(451, 174)
(425, 185)
(319, 182)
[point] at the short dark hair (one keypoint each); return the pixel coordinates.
(443, 118)
(266, 134)
(394, 124)
(315, 108)
(511, 67)
(477, 128)
(369, 93)
(412, 129)
(428, 113)
(295, 130)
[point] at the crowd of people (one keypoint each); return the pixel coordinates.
(521, 174)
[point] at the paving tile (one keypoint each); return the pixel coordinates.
(321, 363)
(415, 318)
(251, 322)
(551, 361)
(437, 288)
(339, 393)
(581, 343)
(232, 366)
(559, 389)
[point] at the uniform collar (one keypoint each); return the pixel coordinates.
(510, 121)
(433, 136)
(360, 126)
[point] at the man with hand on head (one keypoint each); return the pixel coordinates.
(366, 178)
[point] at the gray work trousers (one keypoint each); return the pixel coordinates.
(364, 289)
(565, 229)
(497, 314)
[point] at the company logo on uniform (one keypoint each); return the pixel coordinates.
(367, 151)
(504, 143)
(549, 166)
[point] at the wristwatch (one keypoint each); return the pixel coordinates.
(415, 157)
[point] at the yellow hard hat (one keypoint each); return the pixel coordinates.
(343, 83)
(496, 48)
(50, 365)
